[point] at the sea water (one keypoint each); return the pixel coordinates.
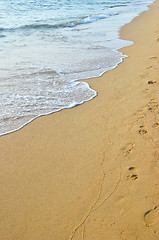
(47, 45)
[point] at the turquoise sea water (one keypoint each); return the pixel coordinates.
(46, 45)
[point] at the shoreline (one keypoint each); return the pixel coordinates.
(91, 172)
(74, 104)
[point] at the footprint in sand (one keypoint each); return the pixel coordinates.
(156, 124)
(134, 177)
(152, 216)
(132, 169)
(153, 107)
(133, 174)
(151, 82)
(142, 130)
(128, 149)
(153, 58)
(149, 67)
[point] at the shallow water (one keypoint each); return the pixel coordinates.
(45, 46)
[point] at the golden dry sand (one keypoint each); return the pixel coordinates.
(91, 172)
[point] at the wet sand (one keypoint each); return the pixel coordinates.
(91, 172)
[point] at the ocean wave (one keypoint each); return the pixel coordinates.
(119, 5)
(69, 24)
(2, 36)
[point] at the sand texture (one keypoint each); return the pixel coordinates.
(91, 172)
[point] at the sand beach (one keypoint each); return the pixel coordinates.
(91, 172)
